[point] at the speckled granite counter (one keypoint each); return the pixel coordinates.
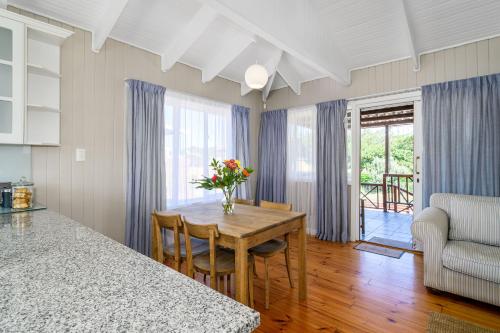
(57, 275)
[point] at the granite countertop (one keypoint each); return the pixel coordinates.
(58, 275)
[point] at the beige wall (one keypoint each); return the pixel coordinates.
(461, 62)
(93, 109)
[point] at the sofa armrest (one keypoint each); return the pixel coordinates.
(431, 228)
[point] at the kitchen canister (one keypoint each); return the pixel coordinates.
(22, 194)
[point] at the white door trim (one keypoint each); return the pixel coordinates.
(356, 106)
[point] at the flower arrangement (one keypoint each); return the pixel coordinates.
(227, 175)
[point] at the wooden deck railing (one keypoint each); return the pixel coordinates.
(395, 193)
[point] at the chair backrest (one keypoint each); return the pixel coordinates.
(275, 205)
(472, 218)
(165, 220)
(244, 202)
(201, 231)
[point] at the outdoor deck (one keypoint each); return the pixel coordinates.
(391, 225)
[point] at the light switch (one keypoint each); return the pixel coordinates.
(80, 155)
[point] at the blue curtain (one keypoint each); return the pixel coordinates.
(461, 127)
(331, 172)
(146, 179)
(271, 179)
(241, 144)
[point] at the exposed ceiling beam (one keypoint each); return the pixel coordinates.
(410, 34)
(303, 38)
(108, 20)
(271, 66)
(245, 89)
(3, 4)
(233, 46)
(289, 75)
(191, 32)
(267, 88)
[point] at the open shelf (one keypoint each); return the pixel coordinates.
(43, 91)
(42, 128)
(47, 38)
(40, 70)
(6, 62)
(42, 144)
(34, 107)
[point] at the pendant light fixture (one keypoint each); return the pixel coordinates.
(256, 76)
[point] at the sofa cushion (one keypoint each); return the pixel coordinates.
(478, 260)
(475, 219)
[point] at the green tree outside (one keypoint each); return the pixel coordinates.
(373, 152)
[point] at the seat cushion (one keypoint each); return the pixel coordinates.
(478, 260)
(475, 219)
(198, 246)
(269, 248)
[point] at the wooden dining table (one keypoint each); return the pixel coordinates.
(247, 227)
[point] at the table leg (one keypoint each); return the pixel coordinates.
(241, 274)
(302, 249)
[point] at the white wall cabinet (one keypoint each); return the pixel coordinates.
(12, 85)
(29, 80)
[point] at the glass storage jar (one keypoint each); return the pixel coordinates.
(22, 194)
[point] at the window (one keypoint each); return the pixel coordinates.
(196, 130)
(301, 162)
(301, 150)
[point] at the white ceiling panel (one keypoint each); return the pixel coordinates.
(84, 14)
(367, 31)
(213, 39)
(443, 23)
(259, 52)
(278, 82)
(153, 25)
(358, 33)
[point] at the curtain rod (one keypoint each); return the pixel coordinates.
(384, 94)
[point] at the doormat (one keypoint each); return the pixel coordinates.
(391, 242)
(385, 251)
(441, 323)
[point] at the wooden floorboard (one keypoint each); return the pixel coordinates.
(357, 291)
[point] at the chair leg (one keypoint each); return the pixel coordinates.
(250, 285)
(205, 278)
(287, 260)
(266, 280)
(221, 284)
(177, 264)
(213, 282)
(229, 284)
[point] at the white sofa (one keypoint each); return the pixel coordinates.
(460, 235)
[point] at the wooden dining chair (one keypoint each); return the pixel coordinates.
(274, 246)
(217, 263)
(175, 251)
(244, 202)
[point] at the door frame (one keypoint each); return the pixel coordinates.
(355, 106)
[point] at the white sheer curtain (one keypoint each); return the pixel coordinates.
(196, 130)
(301, 162)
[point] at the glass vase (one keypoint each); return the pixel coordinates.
(228, 203)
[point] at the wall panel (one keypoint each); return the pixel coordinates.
(93, 118)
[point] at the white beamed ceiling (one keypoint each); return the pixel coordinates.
(355, 33)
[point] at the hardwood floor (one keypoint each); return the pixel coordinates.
(355, 291)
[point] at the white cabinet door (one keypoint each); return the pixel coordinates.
(12, 76)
